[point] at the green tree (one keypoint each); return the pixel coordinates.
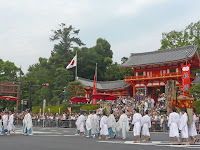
(74, 89)
(188, 36)
(194, 90)
(8, 71)
(114, 72)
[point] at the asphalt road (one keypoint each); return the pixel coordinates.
(64, 139)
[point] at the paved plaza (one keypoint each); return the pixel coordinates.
(64, 139)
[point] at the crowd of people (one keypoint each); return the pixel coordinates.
(92, 125)
(125, 113)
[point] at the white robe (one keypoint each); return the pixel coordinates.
(145, 106)
(137, 122)
(0, 124)
(183, 125)
(173, 124)
(123, 123)
(104, 126)
(112, 122)
(81, 123)
(10, 123)
(95, 124)
(89, 122)
(28, 121)
(24, 124)
(77, 123)
(5, 121)
(146, 124)
(192, 127)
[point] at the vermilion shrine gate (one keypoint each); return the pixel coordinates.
(151, 70)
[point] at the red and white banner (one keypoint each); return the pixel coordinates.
(69, 109)
(73, 63)
(186, 78)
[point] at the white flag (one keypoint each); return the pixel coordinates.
(73, 63)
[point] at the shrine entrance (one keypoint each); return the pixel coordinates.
(156, 92)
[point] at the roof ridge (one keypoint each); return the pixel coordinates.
(164, 50)
(97, 80)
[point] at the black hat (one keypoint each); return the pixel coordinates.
(183, 109)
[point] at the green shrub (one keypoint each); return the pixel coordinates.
(197, 106)
(88, 107)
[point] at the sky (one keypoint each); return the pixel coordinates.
(130, 26)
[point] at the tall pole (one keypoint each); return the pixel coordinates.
(76, 66)
(96, 75)
(95, 100)
(18, 91)
(29, 95)
(186, 57)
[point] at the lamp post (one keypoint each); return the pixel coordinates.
(64, 89)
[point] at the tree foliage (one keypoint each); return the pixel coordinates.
(74, 89)
(53, 70)
(8, 71)
(188, 36)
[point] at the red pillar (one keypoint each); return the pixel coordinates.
(87, 94)
(120, 94)
(133, 91)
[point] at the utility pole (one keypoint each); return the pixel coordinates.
(18, 90)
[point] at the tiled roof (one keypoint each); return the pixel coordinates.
(104, 85)
(163, 56)
(196, 79)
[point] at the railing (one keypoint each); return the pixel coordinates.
(155, 126)
(49, 123)
(166, 75)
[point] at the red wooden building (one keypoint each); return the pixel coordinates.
(153, 69)
(118, 88)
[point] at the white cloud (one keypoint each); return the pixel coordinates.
(150, 41)
(26, 26)
(134, 7)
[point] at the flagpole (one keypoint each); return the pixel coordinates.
(76, 66)
(96, 75)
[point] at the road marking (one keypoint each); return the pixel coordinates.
(153, 143)
(112, 142)
(135, 143)
(55, 135)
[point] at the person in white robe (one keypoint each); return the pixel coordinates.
(146, 124)
(183, 126)
(5, 123)
(11, 126)
(81, 124)
(104, 126)
(89, 125)
(24, 124)
(95, 124)
(137, 121)
(123, 124)
(77, 126)
(28, 124)
(146, 105)
(173, 124)
(111, 125)
(1, 122)
(192, 129)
